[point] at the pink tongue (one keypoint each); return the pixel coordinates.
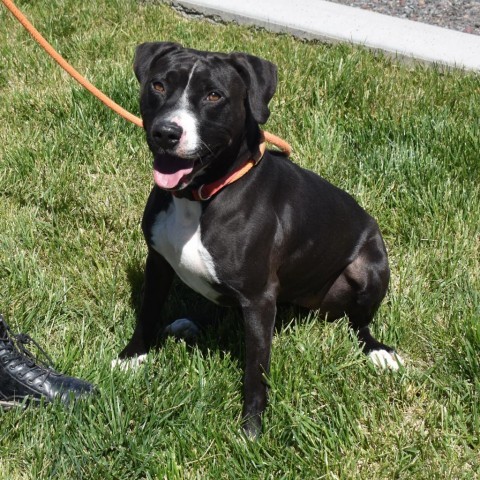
(168, 171)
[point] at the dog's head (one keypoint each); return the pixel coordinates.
(196, 105)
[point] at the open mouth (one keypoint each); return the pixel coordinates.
(170, 170)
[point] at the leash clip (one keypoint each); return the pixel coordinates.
(199, 194)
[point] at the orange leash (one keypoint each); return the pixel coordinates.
(68, 68)
(273, 139)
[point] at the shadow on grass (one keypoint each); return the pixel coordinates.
(221, 327)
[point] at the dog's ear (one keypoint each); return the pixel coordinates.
(260, 77)
(146, 53)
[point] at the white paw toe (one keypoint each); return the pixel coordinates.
(126, 364)
(386, 360)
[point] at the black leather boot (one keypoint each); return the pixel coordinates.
(25, 380)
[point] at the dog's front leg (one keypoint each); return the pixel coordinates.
(259, 320)
(157, 282)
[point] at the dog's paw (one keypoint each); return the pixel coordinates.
(252, 428)
(183, 328)
(125, 364)
(386, 360)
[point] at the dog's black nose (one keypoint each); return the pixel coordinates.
(167, 134)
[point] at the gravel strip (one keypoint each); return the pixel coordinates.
(462, 15)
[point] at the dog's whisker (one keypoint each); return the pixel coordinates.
(206, 146)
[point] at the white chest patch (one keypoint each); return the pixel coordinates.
(176, 236)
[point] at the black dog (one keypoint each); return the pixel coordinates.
(277, 234)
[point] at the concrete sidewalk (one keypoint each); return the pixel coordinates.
(331, 22)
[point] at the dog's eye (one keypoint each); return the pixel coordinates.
(158, 87)
(213, 97)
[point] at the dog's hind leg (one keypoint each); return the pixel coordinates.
(381, 355)
(358, 292)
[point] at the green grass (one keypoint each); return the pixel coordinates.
(403, 139)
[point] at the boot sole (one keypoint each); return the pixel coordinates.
(23, 403)
(7, 405)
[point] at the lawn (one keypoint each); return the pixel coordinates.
(403, 139)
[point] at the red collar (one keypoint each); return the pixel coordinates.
(208, 190)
